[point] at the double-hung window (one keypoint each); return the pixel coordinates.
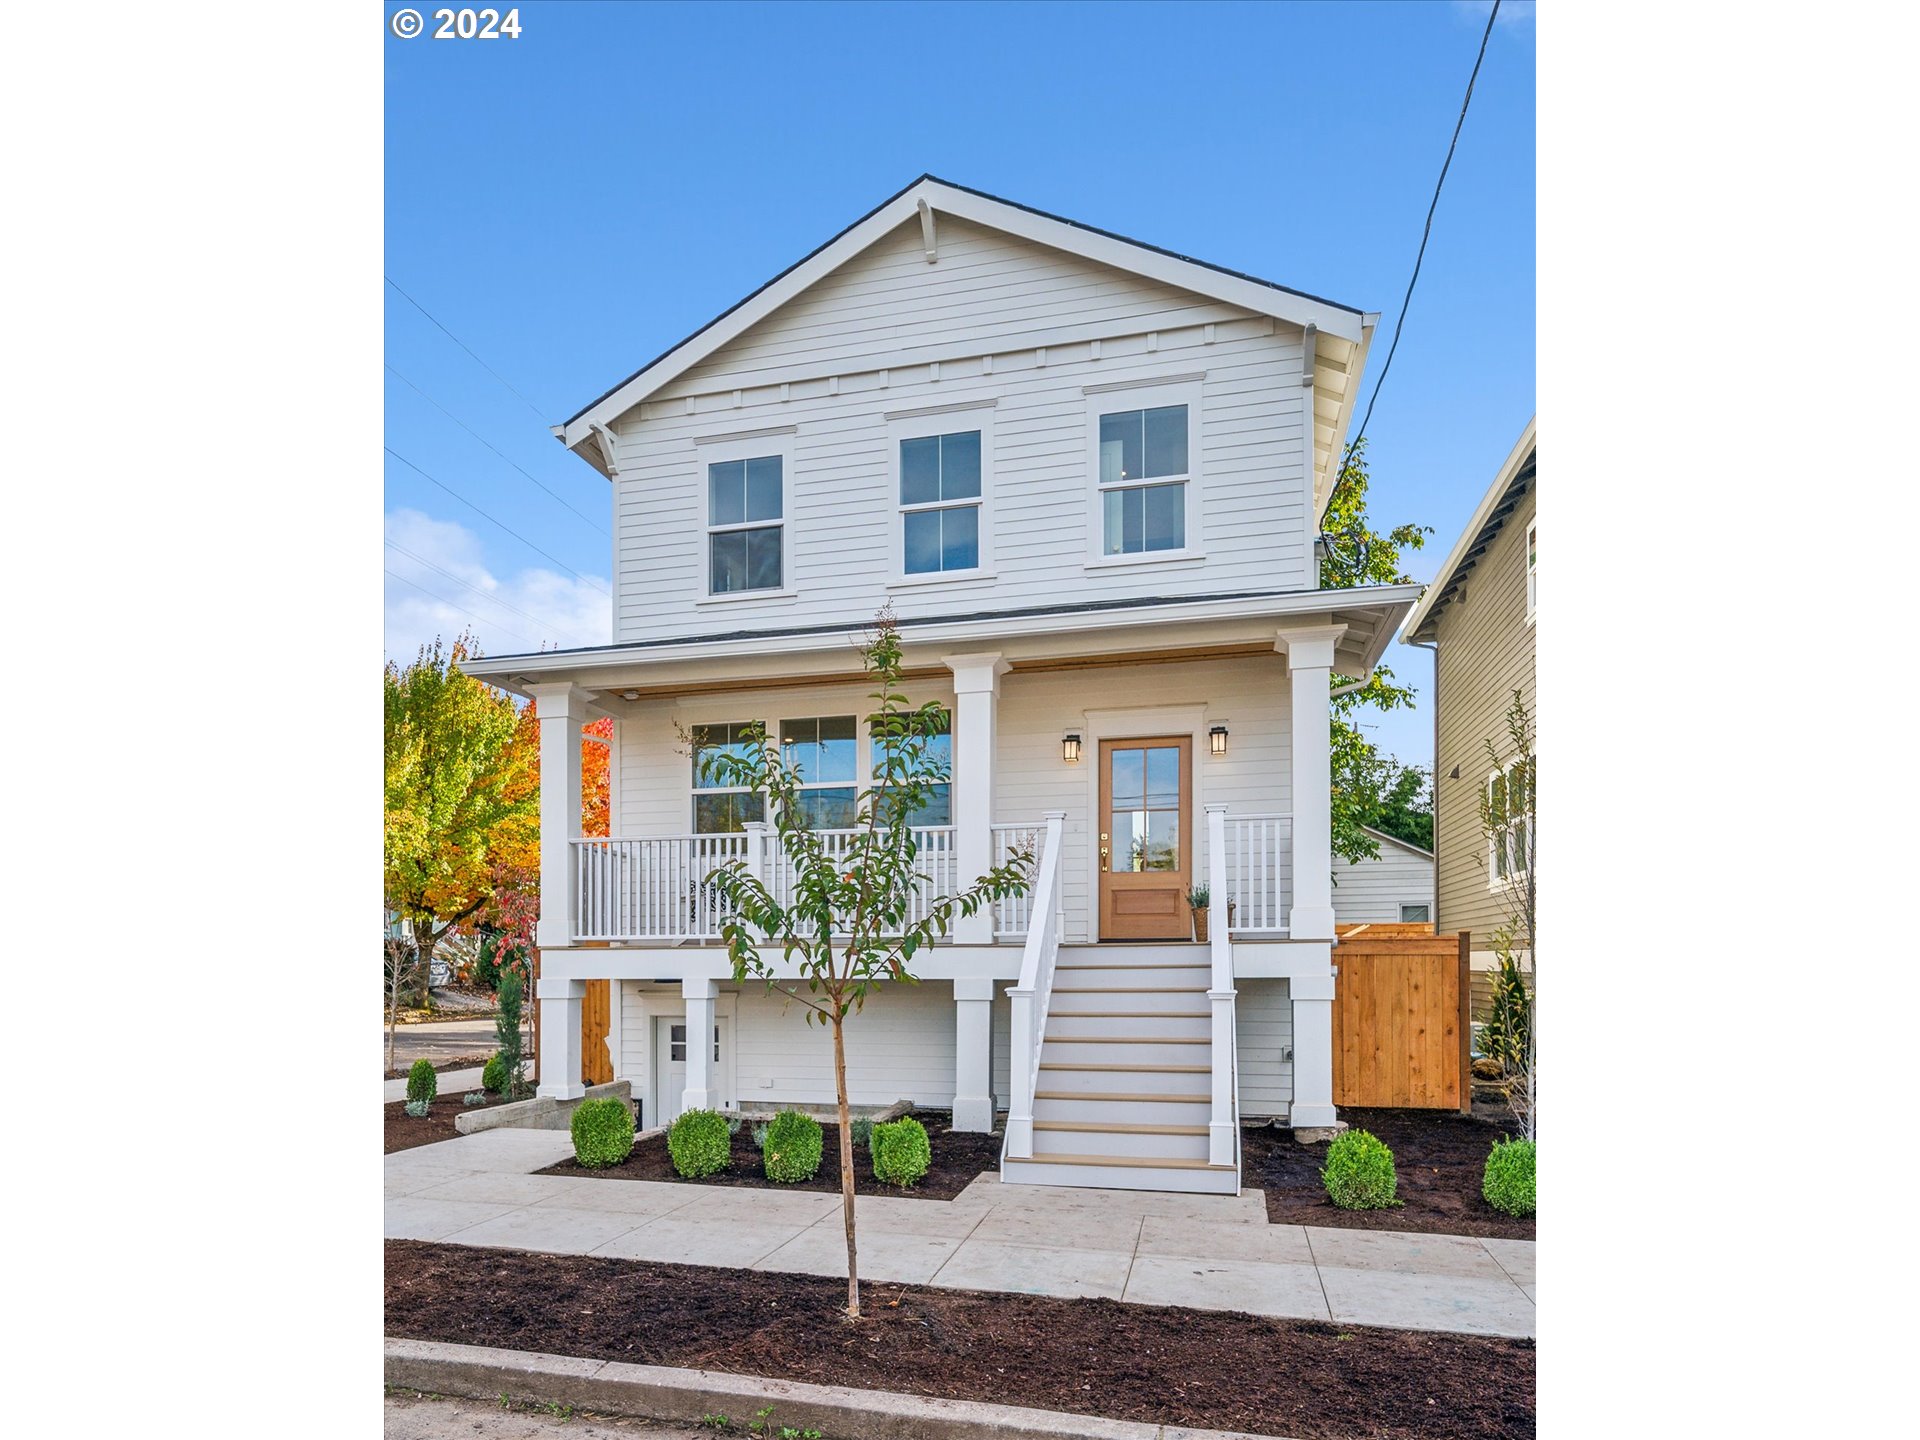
(940, 498)
(746, 533)
(719, 808)
(1145, 471)
(1509, 823)
(935, 756)
(1533, 568)
(823, 755)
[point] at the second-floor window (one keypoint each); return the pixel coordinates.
(1533, 567)
(940, 498)
(720, 809)
(1509, 823)
(824, 756)
(746, 539)
(1143, 480)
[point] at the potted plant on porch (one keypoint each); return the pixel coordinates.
(1198, 899)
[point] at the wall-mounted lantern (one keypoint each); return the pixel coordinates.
(1070, 747)
(1217, 737)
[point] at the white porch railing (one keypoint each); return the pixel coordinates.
(1010, 915)
(1258, 880)
(1223, 1118)
(1033, 995)
(933, 861)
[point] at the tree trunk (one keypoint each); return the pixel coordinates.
(846, 1169)
(424, 941)
(396, 963)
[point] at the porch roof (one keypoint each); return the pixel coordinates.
(1031, 634)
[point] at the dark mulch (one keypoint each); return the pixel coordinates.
(440, 1067)
(404, 1132)
(1438, 1156)
(1157, 1364)
(958, 1156)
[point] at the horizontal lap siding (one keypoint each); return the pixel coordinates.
(1374, 890)
(1263, 1037)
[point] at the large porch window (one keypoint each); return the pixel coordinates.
(717, 809)
(937, 808)
(823, 755)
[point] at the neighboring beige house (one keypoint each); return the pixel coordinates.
(1395, 886)
(1478, 618)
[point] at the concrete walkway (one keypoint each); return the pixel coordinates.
(452, 1083)
(1205, 1251)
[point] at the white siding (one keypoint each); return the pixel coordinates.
(1264, 1036)
(987, 290)
(1374, 890)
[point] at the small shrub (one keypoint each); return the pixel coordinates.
(417, 1109)
(1359, 1172)
(791, 1151)
(759, 1134)
(734, 1123)
(474, 1097)
(422, 1083)
(699, 1143)
(602, 1132)
(494, 1077)
(860, 1127)
(901, 1151)
(1508, 1181)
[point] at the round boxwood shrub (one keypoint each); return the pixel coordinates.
(602, 1132)
(790, 1151)
(901, 1151)
(698, 1143)
(494, 1077)
(1508, 1182)
(1359, 1172)
(422, 1083)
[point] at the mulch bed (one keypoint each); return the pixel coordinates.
(405, 1132)
(1438, 1156)
(440, 1067)
(1158, 1364)
(958, 1157)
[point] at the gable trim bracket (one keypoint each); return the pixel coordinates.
(927, 237)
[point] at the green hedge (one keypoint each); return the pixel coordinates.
(602, 1132)
(1359, 1172)
(1508, 1181)
(422, 1083)
(790, 1151)
(494, 1077)
(699, 1144)
(901, 1151)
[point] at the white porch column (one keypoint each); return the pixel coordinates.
(973, 1055)
(562, 707)
(976, 690)
(1309, 653)
(1312, 998)
(560, 1004)
(702, 1093)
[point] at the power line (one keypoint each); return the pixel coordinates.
(469, 349)
(460, 609)
(585, 580)
(1425, 234)
(491, 446)
(490, 599)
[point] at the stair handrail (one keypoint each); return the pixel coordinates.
(1032, 996)
(1223, 1118)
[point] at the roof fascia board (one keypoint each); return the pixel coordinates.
(1489, 502)
(1356, 372)
(1396, 840)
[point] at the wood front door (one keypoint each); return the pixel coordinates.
(1146, 797)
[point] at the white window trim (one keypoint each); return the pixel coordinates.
(748, 448)
(1533, 579)
(1495, 880)
(1147, 395)
(920, 427)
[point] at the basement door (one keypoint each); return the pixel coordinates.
(670, 1067)
(1145, 809)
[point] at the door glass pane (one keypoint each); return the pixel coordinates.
(1129, 839)
(1162, 850)
(677, 1043)
(1129, 787)
(762, 489)
(1163, 776)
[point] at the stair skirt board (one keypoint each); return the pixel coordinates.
(1102, 1172)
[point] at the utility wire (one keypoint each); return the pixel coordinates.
(1407, 299)
(490, 599)
(469, 349)
(461, 609)
(585, 580)
(491, 446)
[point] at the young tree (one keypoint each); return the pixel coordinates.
(461, 793)
(1364, 781)
(1508, 818)
(849, 922)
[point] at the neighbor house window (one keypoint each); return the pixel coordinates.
(937, 808)
(746, 503)
(940, 502)
(1533, 566)
(717, 808)
(1144, 470)
(823, 756)
(1510, 822)
(1415, 914)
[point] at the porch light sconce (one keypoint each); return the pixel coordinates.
(1217, 736)
(1070, 747)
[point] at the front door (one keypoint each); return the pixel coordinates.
(1145, 867)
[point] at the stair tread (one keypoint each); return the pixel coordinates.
(1128, 1040)
(1148, 1069)
(1125, 1162)
(1125, 1097)
(1119, 1127)
(1129, 989)
(1138, 965)
(1128, 1015)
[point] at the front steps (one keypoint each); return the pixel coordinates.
(1126, 1074)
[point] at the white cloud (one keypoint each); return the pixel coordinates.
(445, 587)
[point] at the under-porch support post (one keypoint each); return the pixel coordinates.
(561, 1001)
(973, 1055)
(976, 692)
(701, 1092)
(1312, 998)
(562, 708)
(1309, 653)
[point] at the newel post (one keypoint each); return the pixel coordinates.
(1222, 1124)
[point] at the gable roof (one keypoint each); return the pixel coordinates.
(1516, 476)
(1396, 840)
(1337, 367)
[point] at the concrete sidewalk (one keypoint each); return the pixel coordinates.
(1205, 1251)
(452, 1083)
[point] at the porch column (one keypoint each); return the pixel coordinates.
(562, 708)
(976, 691)
(973, 1055)
(701, 1092)
(1309, 653)
(1312, 998)
(561, 1000)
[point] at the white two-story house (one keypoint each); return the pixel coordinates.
(1087, 475)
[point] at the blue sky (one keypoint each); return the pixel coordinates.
(573, 202)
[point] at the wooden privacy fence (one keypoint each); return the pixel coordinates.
(1400, 1026)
